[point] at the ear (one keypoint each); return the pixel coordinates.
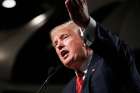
(84, 44)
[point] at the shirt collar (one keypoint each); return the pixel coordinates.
(84, 67)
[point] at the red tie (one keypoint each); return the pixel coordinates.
(79, 83)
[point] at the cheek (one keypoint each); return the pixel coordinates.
(75, 48)
(58, 53)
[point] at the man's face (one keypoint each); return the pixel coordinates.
(69, 46)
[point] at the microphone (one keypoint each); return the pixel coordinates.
(51, 73)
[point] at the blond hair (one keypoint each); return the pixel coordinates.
(69, 24)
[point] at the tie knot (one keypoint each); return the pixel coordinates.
(80, 75)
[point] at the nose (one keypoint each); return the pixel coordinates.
(60, 45)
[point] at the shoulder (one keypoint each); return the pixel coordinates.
(70, 86)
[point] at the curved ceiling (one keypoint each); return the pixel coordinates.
(24, 11)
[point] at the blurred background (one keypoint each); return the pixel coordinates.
(26, 54)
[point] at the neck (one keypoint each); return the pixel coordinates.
(87, 60)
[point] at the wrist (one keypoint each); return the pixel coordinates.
(86, 22)
(89, 31)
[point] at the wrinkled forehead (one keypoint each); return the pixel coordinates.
(67, 28)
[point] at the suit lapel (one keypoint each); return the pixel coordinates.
(91, 70)
(72, 88)
(88, 84)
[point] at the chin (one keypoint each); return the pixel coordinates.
(68, 62)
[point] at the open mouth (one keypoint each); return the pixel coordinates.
(64, 53)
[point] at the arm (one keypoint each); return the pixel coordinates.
(78, 12)
(105, 43)
(116, 52)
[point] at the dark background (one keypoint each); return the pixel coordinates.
(27, 66)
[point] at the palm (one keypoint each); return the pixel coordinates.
(78, 11)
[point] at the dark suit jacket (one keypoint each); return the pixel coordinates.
(112, 68)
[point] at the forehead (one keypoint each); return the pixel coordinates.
(64, 29)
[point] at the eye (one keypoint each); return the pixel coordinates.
(64, 36)
(61, 38)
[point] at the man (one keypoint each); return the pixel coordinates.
(102, 62)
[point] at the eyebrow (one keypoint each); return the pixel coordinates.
(64, 34)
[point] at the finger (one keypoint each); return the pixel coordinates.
(76, 4)
(66, 2)
(84, 1)
(69, 7)
(81, 3)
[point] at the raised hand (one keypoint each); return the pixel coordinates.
(78, 11)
